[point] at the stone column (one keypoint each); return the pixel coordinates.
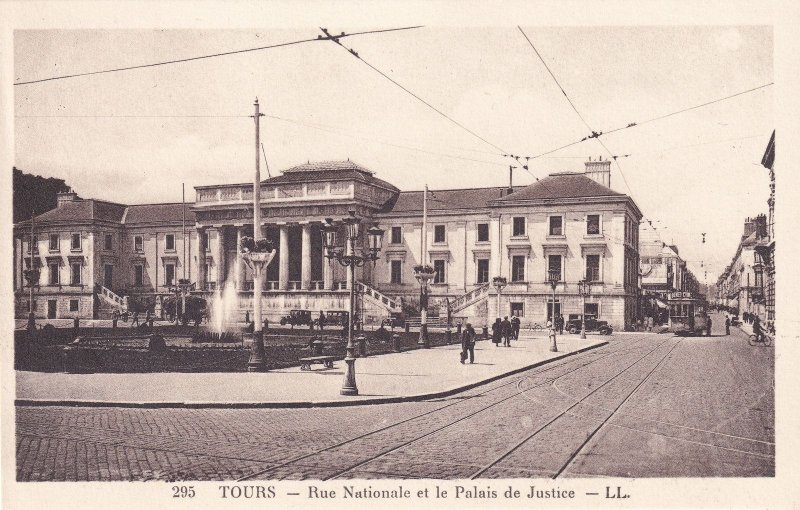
(241, 268)
(283, 268)
(201, 259)
(327, 272)
(305, 272)
(220, 258)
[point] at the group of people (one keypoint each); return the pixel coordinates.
(505, 330)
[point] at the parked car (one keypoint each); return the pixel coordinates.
(297, 318)
(196, 309)
(395, 320)
(573, 325)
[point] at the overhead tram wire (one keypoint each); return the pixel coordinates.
(213, 55)
(595, 134)
(355, 54)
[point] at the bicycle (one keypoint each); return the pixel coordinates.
(766, 339)
(536, 327)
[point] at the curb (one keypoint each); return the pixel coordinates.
(292, 405)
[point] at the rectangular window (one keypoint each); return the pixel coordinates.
(169, 274)
(108, 276)
(73, 305)
(483, 270)
(554, 267)
(76, 273)
(518, 268)
(138, 275)
(519, 226)
(593, 268)
(591, 310)
(483, 232)
(438, 266)
(397, 271)
(593, 224)
(397, 235)
(518, 309)
(556, 228)
(53, 273)
(109, 242)
(138, 244)
(76, 241)
(170, 242)
(53, 242)
(438, 234)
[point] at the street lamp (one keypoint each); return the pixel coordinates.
(347, 257)
(585, 288)
(423, 274)
(554, 276)
(257, 254)
(499, 282)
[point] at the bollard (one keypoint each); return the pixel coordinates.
(485, 332)
(396, 343)
(362, 346)
(449, 336)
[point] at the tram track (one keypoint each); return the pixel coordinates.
(578, 358)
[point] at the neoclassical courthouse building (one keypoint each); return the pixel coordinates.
(96, 255)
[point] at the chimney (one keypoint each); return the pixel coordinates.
(65, 197)
(599, 171)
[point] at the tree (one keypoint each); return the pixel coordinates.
(34, 193)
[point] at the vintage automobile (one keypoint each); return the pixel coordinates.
(394, 320)
(573, 325)
(195, 309)
(297, 318)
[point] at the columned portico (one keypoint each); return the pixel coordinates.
(283, 272)
(202, 277)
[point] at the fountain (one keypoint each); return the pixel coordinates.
(223, 315)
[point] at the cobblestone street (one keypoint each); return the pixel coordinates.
(645, 405)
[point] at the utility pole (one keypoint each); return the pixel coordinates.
(256, 362)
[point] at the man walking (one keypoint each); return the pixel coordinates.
(468, 344)
(727, 325)
(506, 330)
(515, 327)
(708, 325)
(560, 322)
(757, 328)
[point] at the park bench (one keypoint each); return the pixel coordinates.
(305, 363)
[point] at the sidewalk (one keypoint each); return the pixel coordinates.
(398, 377)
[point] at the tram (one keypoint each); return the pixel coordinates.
(687, 315)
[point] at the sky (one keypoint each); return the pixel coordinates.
(135, 136)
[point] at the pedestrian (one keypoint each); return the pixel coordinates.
(757, 328)
(468, 344)
(497, 331)
(321, 320)
(266, 325)
(505, 330)
(727, 325)
(708, 325)
(247, 316)
(649, 323)
(148, 319)
(560, 324)
(135, 321)
(551, 331)
(515, 327)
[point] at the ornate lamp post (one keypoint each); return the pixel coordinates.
(424, 274)
(554, 276)
(347, 257)
(585, 288)
(32, 275)
(257, 255)
(499, 283)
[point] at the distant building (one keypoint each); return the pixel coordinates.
(766, 245)
(742, 286)
(663, 272)
(100, 256)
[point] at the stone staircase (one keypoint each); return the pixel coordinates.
(469, 298)
(391, 305)
(110, 302)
